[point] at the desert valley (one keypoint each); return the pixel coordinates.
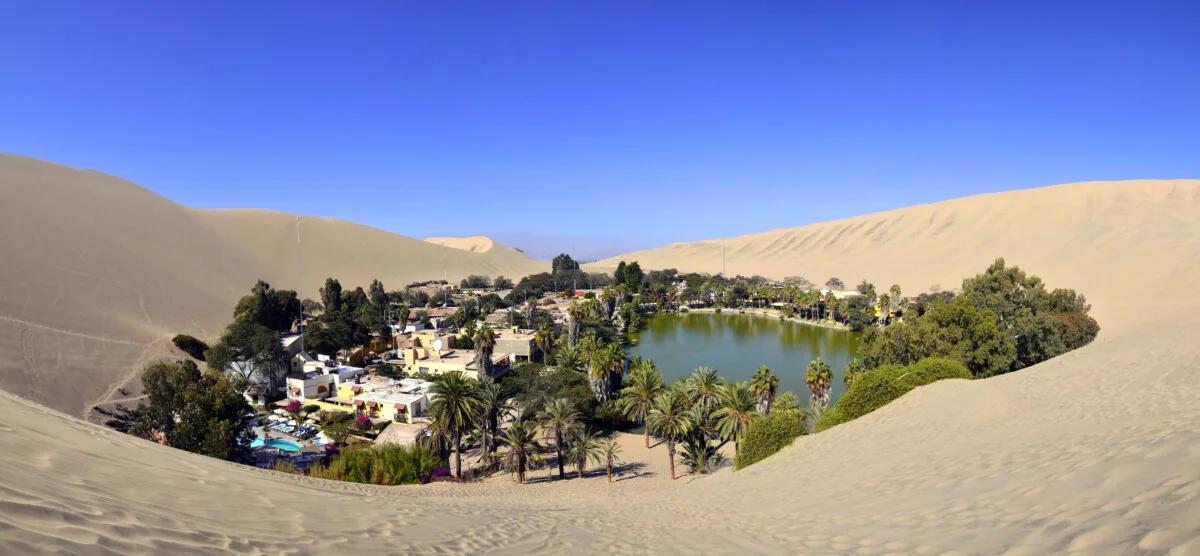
(1087, 450)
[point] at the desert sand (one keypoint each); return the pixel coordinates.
(474, 244)
(1094, 452)
(98, 274)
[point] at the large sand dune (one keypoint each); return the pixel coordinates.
(95, 272)
(1094, 452)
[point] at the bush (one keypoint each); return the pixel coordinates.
(768, 434)
(389, 464)
(877, 387)
(190, 345)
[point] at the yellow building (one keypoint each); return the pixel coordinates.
(400, 402)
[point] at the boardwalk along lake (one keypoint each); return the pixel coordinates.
(735, 344)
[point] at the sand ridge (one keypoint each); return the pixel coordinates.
(1094, 452)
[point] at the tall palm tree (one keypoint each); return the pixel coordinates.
(669, 419)
(819, 378)
(522, 447)
(558, 418)
(764, 384)
(485, 340)
(734, 412)
(544, 340)
(456, 404)
(885, 308)
(637, 399)
(606, 366)
(584, 446)
(704, 386)
(897, 297)
(493, 406)
(611, 452)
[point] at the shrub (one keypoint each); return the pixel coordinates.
(389, 464)
(768, 434)
(190, 345)
(877, 387)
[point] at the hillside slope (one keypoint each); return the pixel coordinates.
(97, 272)
(1062, 233)
(1094, 452)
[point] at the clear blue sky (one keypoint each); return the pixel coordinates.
(563, 126)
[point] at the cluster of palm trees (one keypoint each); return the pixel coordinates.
(702, 412)
(463, 406)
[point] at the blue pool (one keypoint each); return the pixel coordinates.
(285, 445)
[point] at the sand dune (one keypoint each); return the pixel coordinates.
(474, 244)
(1106, 239)
(1095, 452)
(97, 271)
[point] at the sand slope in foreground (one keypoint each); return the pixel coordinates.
(1095, 452)
(97, 271)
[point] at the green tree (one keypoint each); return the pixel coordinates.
(734, 411)
(669, 420)
(563, 262)
(764, 384)
(331, 296)
(768, 434)
(456, 405)
(610, 451)
(193, 411)
(819, 378)
(584, 447)
(494, 404)
(637, 399)
(485, 341)
(703, 386)
(558, 418)
(522, 447)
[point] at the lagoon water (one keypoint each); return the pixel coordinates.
(736, 344)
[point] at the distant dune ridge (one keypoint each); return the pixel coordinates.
(97, 272)
(1094, 452)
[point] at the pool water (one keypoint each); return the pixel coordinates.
(285, 445)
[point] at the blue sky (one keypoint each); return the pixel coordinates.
(602, 127)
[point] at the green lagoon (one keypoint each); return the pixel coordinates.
(736, 344)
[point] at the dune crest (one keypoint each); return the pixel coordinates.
(1094, 452)
(474, 244)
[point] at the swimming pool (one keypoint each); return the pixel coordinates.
(285, 445)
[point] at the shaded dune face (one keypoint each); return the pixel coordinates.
(98, 273)
(1093, 452)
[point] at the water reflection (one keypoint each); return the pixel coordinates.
(736, 344)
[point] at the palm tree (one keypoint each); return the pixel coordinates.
(819, 378)
(611, 451)
(606, 366)
(493, 405)
(456, 404)
(885, 308)
(568, 358)
(704, 386)
(522, 447)
(544, 340)
(584, 446)
(734, 412)
(699, 455)
(668, 419)
(645, 384)
(763, 385)
(558, 417)
(897, 299)
(485, 340)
